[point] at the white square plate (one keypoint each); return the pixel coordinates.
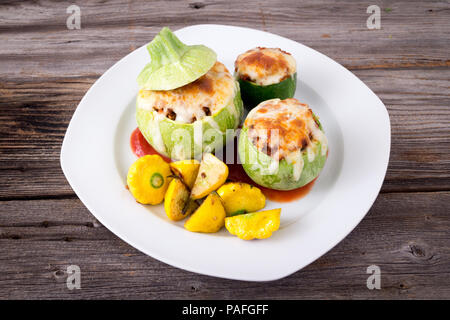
(96, 155)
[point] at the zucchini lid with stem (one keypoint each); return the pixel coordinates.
(174, 64)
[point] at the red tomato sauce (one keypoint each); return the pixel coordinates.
(237, 174)
(141, 147)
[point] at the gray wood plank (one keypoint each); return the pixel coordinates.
(405, 234)
(38, 43)
(418, 104)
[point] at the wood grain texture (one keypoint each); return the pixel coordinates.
(36, 30)
(46, 70)
(405, 234)
(418, 102)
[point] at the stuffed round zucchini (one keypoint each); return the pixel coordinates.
(264, 74)
(282, 145)
(185, 122)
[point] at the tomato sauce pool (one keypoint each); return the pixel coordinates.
(237, 173)
(141, 147)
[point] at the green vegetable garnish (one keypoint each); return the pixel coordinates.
(156, 180)
(174, 64)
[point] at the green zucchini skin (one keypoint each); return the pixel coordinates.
(253, 94)
(189, 149)
(256, 164)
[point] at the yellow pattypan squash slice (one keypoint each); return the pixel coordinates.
(177, 199)
(148, 179)
(239, 198)
(186, 170)
(209, 217)
(259, 225)
(211, 175)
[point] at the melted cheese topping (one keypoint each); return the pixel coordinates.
(265, 66)
(202, 98)
(284, 129)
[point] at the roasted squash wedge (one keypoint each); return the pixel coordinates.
(239, 198)
(259, 225)
(186, 170)
(176, 199)
(190, 207)
(211, 175)
(209, 217)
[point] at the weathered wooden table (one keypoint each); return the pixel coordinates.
(47, 68)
